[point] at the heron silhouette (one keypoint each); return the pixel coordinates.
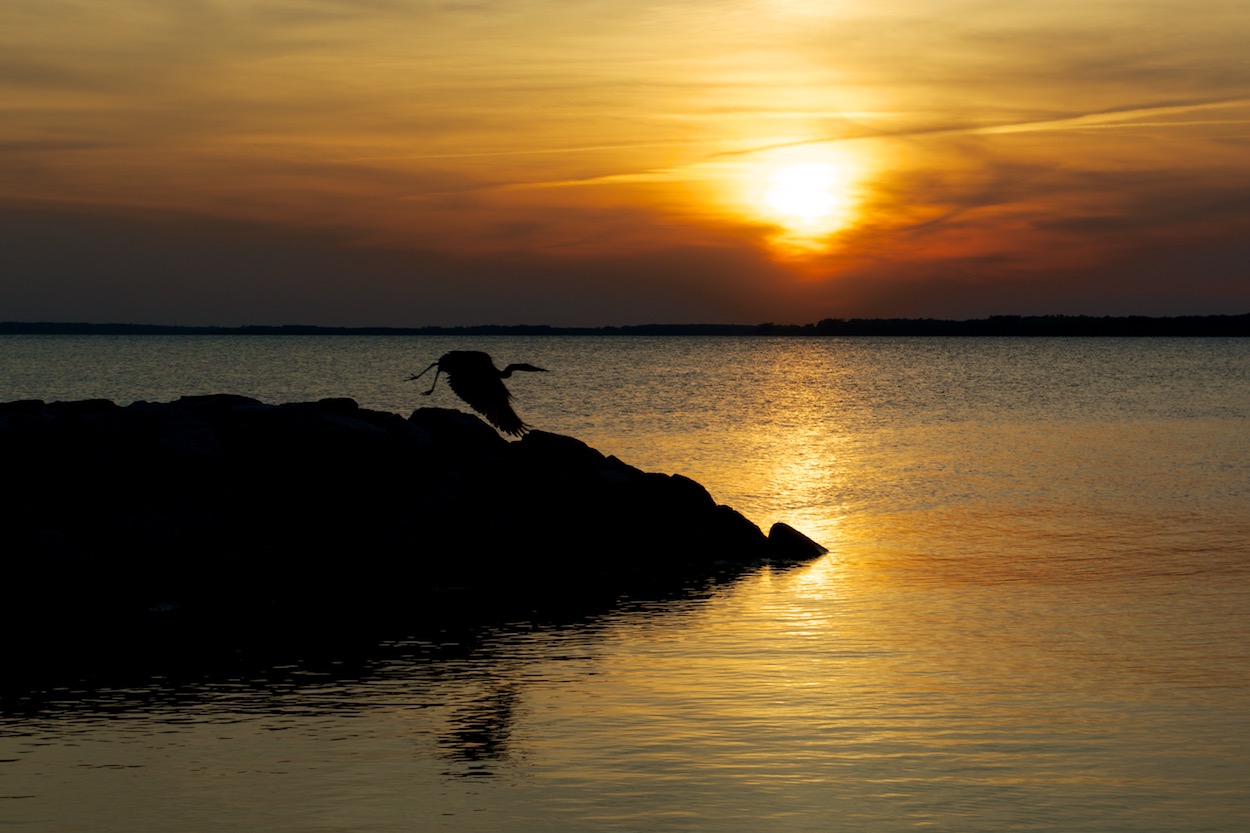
(476, 380)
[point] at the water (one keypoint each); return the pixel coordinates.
(1034, 615)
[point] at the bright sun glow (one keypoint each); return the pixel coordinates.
(804, 194)
(808, 193)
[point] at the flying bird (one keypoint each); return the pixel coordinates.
(476, 380)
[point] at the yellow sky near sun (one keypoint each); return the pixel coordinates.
(827, 134)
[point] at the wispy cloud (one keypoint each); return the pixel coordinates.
(1134, 116)
(1131, 116)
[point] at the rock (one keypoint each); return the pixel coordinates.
(228, 508)
(785, 543)
(458, 431)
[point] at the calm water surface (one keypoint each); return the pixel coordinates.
(1034, 616)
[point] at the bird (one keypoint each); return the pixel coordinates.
(476, 380)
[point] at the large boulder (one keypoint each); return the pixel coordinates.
(222, 505)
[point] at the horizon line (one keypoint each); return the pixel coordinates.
(998, 324)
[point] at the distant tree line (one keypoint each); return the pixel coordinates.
(82, 328)
(995, 325)
(1021, 325)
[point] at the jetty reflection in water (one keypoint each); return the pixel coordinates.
(779, 699)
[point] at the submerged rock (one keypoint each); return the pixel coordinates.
(788, 544)
(228, 505)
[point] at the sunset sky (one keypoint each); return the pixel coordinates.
(592, 162)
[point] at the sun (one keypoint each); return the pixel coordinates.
(797, 198)
(805, 194)
(808, 194)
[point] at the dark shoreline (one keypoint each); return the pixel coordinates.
(1034, 326)
(219, 521)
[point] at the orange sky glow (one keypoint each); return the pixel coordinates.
(589, 162)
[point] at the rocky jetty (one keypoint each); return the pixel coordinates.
(225, 507)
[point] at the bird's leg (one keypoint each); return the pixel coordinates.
(417, 376)
(431, 390)
(414, 377)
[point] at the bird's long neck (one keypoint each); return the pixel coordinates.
(507, 371)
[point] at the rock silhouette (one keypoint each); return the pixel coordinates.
(224, 507)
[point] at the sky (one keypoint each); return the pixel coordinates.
(608, 162)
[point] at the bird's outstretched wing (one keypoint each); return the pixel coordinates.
(489, 397)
